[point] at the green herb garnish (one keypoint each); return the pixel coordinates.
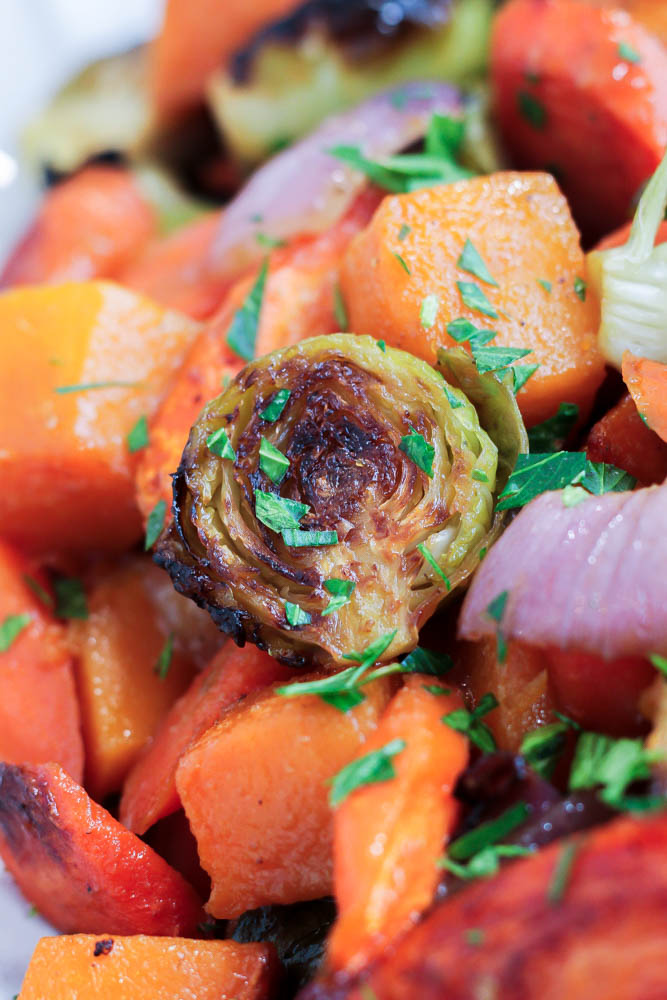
(242, 333)
(370, 769)
(602, 478)
(521, 374)
(382, 345)
(341, 591)
(418, 450)
(272, 462)
(474, 298)
(276, 406)
(550, 434)
(535, 474)
(472, 262)
(531, 109)
(270, 242)
(70, 598)
(401, 261)
(11, 628)
(404, 231)
(580, 288)
(471, 723)
(219, 443)
(543, 746)
(430, 559)
(155, 524)
(429, 311)
(546, 285)
(137, 438)
(38, 590)
(295, 615)
(659, 662)
(278, 513)
(452, 399)
(340, 310)
(425, 661)
(613, 765)
(626, 51)
(479, 475)
(486, 863)
(488, 833)
(299, 539)
(85, 386)
(164, 659)
(496, 359)
(562, 872)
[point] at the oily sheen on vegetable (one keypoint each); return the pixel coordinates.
(589, 577)
(336, 492)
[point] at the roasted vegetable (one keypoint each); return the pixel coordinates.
(647, 382)
(624, 436)
(336, 492)
(148, 968)
(326, 55)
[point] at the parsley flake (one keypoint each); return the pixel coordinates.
(546, 285)
(521, 374)
(479, 475)
(486, 863)
(340, 309)
(85, 386)
(401, 261)
(602, 478)
(272, 462)
(219, 443)
(542, 747)
(425, 661)
(613, 765)
(452, 399)
(573, 496)
(496, 608)
(270, 242)
(552, 433)
(531, 109)
(70, 598)
(382, 345)
(341, 591)
(494, 359)
(535, 474)
(471, 723)
(374, 767)
(276, 406)
(38, 590)
(659, 662)
(472, 262)
(242, 333)
(474, 298)
(418, 450)
(297, 538)
(278, 513)
(155, 524)
(11, 628)
(562, 872)
(489, 833)
(429, 311)
(295, 615)
(164, 659)
(580, 288)
(430, 559)
(137, 437)
(627, 52)
(404, 231)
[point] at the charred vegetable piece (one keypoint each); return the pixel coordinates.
(326, 55)
(390, 486)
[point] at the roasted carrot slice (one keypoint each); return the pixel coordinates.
(150, 790)
(562, 70)
(88, 966)
(521, 226)
(89, 226)
(623, 439)
(647, 382)
(136, 652)
(197, 37)
(39, 711)
(583, 918)
(78, 865)
(268, 761)
(388, 836)
(65, 465)
(298, 302)
(172, 270)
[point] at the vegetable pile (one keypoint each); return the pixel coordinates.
(333, 631)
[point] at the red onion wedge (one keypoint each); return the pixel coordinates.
(304, 190)
(592, 577)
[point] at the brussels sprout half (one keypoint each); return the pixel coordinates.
(390, 486)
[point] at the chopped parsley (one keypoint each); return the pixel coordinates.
(341, 591)
(270, 242)
(425, 661)
(521, 374)
(430, 559)
(272, 462)
(580, 288)
(551, 433)
(155, 524)
(278, 513)
(70, 598)
(276, 406)
(542, 747)
(562, 872)
(472, 262)
(546, 285)
(485, 836)
(536, 473)
(627, 52)
(452, 399)
(374, 767)
(295, 615)
(137, 437)
(495, 359)
(242, 333)
(367, 657)
(37, 589)
(486, 863)
(219, 443)
(471, 723)
(429, 311)
(462, 329)
(401, 261)
(299, 539)
(659, 662)
(479, 475)
(164, 659)
(602, 478)
(11, 628)
(612, 765)
(404, 231)
(475, 298)
(531, 109)
(85, 386)
(382, 345)
(495, 611)
(340, 310)
(418, 450)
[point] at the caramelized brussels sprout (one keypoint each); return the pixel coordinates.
(336, 492)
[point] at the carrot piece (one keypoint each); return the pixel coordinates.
(647, 382)
(233, 673)
(560, 74)
(622, 438)
(172, 270)
(298, 302)
(267, 761)
(388, 836)
(86, 967)
(135, 616)
(521, 226)
(65, 467)
(39, 711)
(520, 684)
(602, 695)
(89, 226)
(585, 924)
(78, 865)
(197, 37)
(620, 236)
